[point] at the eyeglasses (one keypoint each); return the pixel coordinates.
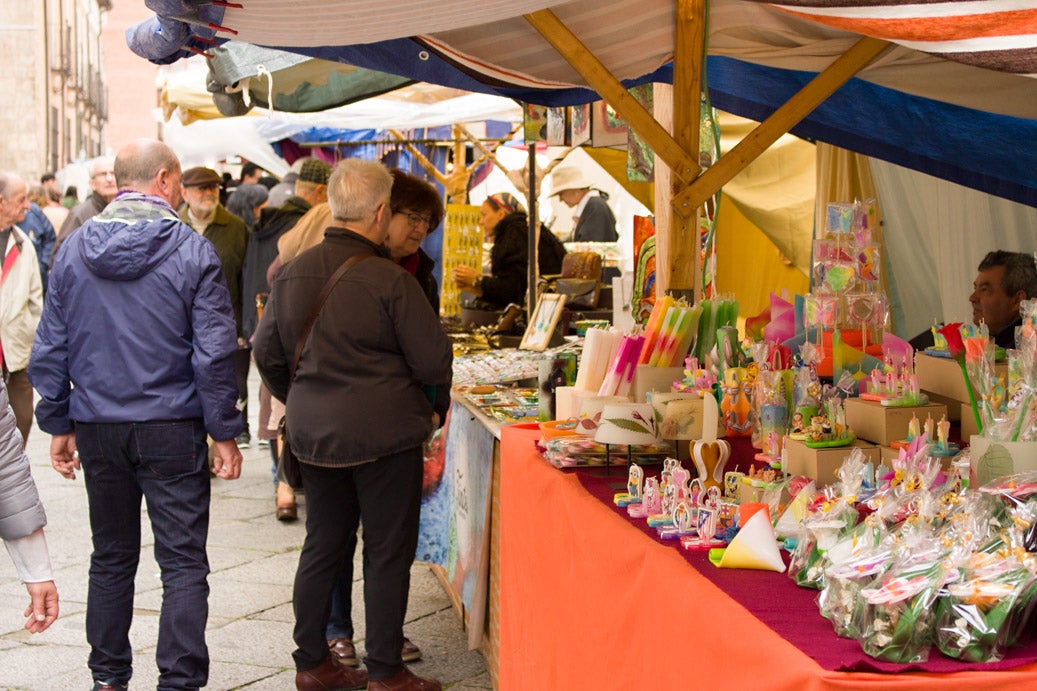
(105, 174)
(415, 219)
(205, 186)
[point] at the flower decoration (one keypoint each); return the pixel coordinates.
(956, 347)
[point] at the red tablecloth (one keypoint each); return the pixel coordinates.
(589, 602)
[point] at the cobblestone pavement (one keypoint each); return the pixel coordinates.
(253, 559)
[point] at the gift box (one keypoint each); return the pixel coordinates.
(874, 422)
(822, 464)
(940, 375)
(887, 455)
(992, 459)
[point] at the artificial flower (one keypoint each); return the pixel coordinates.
(956, 347)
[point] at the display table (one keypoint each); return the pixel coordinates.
(588, 601)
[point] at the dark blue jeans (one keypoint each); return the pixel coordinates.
(166, 463)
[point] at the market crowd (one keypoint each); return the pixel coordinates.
(178, 280)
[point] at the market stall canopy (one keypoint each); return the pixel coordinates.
(186, 92)
(953, 99)
(242, 75)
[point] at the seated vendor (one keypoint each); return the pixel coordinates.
(1005, 279)
(505, 224)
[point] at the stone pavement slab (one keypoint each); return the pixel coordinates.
(252, 558)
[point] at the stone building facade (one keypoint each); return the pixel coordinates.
(53, 82)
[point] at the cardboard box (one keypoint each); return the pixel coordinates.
(874, 422)
(993, 459)
(943, 376)
(821, 464)
(968, 421)
(953, 405)
(747, 494)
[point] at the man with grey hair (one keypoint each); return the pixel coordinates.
(138, 317)
(21, 297)
(357, 416)
(1005, 279)
(103, 191)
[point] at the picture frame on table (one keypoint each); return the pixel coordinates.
(542, 324)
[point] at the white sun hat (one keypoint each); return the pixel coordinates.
(568, 178)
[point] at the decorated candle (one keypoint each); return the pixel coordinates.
(654, 327)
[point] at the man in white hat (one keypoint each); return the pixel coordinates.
(593, 217)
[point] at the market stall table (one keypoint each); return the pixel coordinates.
(588, 600)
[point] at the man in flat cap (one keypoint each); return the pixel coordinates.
(203, 212)
(594, 220)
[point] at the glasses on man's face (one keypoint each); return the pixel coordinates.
(415, 219)
(206, 187)
(105, 174)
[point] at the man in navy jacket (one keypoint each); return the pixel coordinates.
(133, 363)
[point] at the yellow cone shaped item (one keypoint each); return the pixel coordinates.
(754, 547)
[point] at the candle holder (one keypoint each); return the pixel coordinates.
(628, 424)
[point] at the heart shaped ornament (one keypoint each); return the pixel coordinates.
(710, 457)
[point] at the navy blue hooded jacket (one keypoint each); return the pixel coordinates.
(137, 325)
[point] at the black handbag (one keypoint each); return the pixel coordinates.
(288, 469)
(580, 293)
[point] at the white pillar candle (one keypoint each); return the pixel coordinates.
(710, 417)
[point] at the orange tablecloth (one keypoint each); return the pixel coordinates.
(588, 602)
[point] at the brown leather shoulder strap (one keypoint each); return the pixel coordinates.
(311, 318)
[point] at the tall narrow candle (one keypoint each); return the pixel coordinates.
(654, 326)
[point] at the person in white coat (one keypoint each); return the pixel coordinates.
(21, 524)
(21, 298)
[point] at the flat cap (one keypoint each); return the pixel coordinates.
(200, 176)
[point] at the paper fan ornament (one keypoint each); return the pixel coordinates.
(754, 547)
(782, 324)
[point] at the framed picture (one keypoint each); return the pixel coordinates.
(543, 322)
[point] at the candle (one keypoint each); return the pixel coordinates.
(710, 417)
(654, 326)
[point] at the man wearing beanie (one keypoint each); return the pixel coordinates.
(311, 189)
(228, 234)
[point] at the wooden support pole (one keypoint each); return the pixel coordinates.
(684, 166)
(781, 121)
(682, 233)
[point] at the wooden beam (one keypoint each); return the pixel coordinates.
(681, 234)
(781, 121)
(684, 166)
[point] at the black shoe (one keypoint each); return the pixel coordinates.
(108, 686)
(243, 440)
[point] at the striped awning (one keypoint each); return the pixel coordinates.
(993, 34)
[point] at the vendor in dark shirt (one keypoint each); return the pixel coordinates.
(505, 224)
(1004, 280)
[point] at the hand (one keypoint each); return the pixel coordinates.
(63, 455)
(43, 606)
(464, 275)
(226, 460)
